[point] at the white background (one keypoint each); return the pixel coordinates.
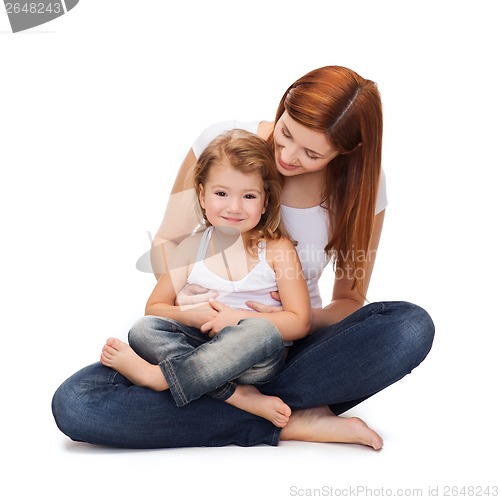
(98, 108)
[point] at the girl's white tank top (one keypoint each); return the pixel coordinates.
(255, 286)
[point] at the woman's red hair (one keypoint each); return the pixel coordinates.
(347, 108)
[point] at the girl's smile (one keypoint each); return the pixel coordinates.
(233, 198)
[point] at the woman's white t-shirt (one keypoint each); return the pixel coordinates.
(307, 226)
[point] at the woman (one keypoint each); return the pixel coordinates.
(327, 139)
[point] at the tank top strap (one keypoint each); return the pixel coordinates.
(205, 240)
(262, 251)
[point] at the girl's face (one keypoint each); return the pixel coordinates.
(299, 149)
(232, 198)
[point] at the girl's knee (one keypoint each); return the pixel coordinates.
(263, 333)
(142, 329)
(261, 327)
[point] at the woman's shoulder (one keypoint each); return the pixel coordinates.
(265, 129)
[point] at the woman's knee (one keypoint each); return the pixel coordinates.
(68, 402)
(415, 329)
(61, 405)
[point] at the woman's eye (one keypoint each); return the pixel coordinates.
(285, 133)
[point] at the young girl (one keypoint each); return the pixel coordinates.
(243, 255)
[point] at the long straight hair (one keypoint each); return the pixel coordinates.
(347, 108)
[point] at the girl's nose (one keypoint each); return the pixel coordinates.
(234, 204)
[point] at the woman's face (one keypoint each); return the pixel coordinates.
(299, 149)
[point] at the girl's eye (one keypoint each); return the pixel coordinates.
(250, 196)
(220, 193)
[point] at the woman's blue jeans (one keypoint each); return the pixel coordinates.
(337, 366)
(251, 352)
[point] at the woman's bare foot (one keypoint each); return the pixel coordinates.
(122, 358)
(250, 399)
(322, 426)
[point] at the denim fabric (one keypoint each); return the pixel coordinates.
(251, 352)
(337, 366)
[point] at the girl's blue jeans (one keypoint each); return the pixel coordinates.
(251, 352)
(339, 366)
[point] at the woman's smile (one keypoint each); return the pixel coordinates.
(285, 165)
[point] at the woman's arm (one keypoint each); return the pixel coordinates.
(345, 300)
(182, 217)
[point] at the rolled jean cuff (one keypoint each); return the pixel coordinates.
(223, 393)
(174, 387)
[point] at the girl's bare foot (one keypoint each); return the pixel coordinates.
(322, 426)
(122, 358)
(250, 399)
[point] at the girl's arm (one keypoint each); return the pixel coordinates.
(294, 320)
(162, 299)
(345, 300)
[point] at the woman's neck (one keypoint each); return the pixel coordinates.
(303, 191)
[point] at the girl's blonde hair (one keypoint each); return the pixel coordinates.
(247, 153)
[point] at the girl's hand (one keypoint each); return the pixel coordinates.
(197, 315)
(257, 306)
(225, 317)
(194, 294)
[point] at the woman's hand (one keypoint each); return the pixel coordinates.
(262, 308)
(226, 317)
(333, 313)
(194, 294)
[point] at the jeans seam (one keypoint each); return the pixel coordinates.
(173, 383)
(112, 377)
(174, 326)
(229, 389)
(275, 438)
